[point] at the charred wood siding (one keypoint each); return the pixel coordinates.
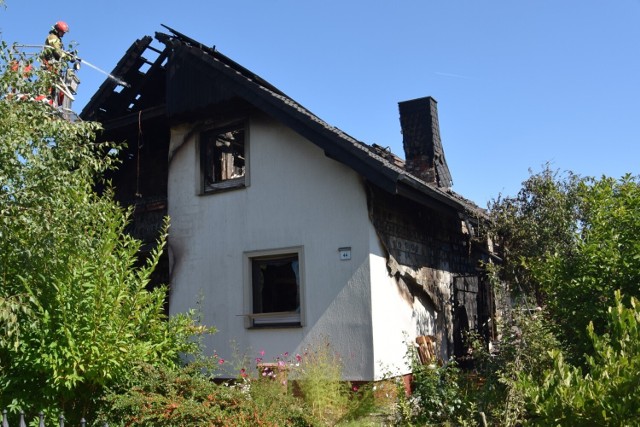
(431, 257)
(418, 236)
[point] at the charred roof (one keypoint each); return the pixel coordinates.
(183, 80)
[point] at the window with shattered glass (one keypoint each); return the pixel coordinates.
(222, 153)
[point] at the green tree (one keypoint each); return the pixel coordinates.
(75, 313)
(580, 285)
(574, 244)
(541, 219)
(571, 242)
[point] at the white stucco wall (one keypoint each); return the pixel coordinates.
(397, 317)
(296, 197)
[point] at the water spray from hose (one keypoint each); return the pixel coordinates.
(111, 76)
(75, 58)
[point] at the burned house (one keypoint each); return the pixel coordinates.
(284, 229)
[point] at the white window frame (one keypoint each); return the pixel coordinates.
(286, 319)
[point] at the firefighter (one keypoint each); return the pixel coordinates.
(53, 57)
(53, 44)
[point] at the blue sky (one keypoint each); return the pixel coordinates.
(518, 83)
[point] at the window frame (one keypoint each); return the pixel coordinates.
(230, 183)
(255, 320)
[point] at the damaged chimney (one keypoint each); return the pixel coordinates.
(421, 140)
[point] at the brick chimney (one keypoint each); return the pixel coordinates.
(421, 140)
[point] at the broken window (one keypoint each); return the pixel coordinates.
(275, 290)
(223, 157)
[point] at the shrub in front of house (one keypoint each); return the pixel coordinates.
(439, 396)
(188, 397)
(311, 381)
(299, 390)
(319, 380)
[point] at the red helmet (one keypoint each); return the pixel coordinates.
(61, 27)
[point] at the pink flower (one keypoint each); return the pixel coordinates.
(243, 373)
(258, 359)
(220, 362)
(354, 388)
(298, 358)
(281, 363)
(261, 352)
(286, 354)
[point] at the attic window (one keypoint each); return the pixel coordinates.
(274, 289)
(223, 158)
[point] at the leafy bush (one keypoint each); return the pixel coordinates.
(541, 219)
(607, 392)
(176, 397)
(299, 391)
(489, 393)
(311, 382)
(438, 395)
(523, 350)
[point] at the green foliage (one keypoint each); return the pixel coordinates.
(541, 219)
(607, 391)
(571, 242)
(302, 391)
(321, 385)
(523, 350)
(10, 307)
(438, 395)
(310, 383)
(606, 257)
(161, 396)
(76, 314)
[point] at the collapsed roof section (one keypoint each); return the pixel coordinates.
(186, 80)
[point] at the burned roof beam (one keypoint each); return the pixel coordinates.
(134, 117)
(108, 86)
(158, 51)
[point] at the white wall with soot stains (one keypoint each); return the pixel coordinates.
(297, 197)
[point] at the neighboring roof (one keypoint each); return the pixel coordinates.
(172, 85)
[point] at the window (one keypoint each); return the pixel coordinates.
(275, 279)
(222, 153)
